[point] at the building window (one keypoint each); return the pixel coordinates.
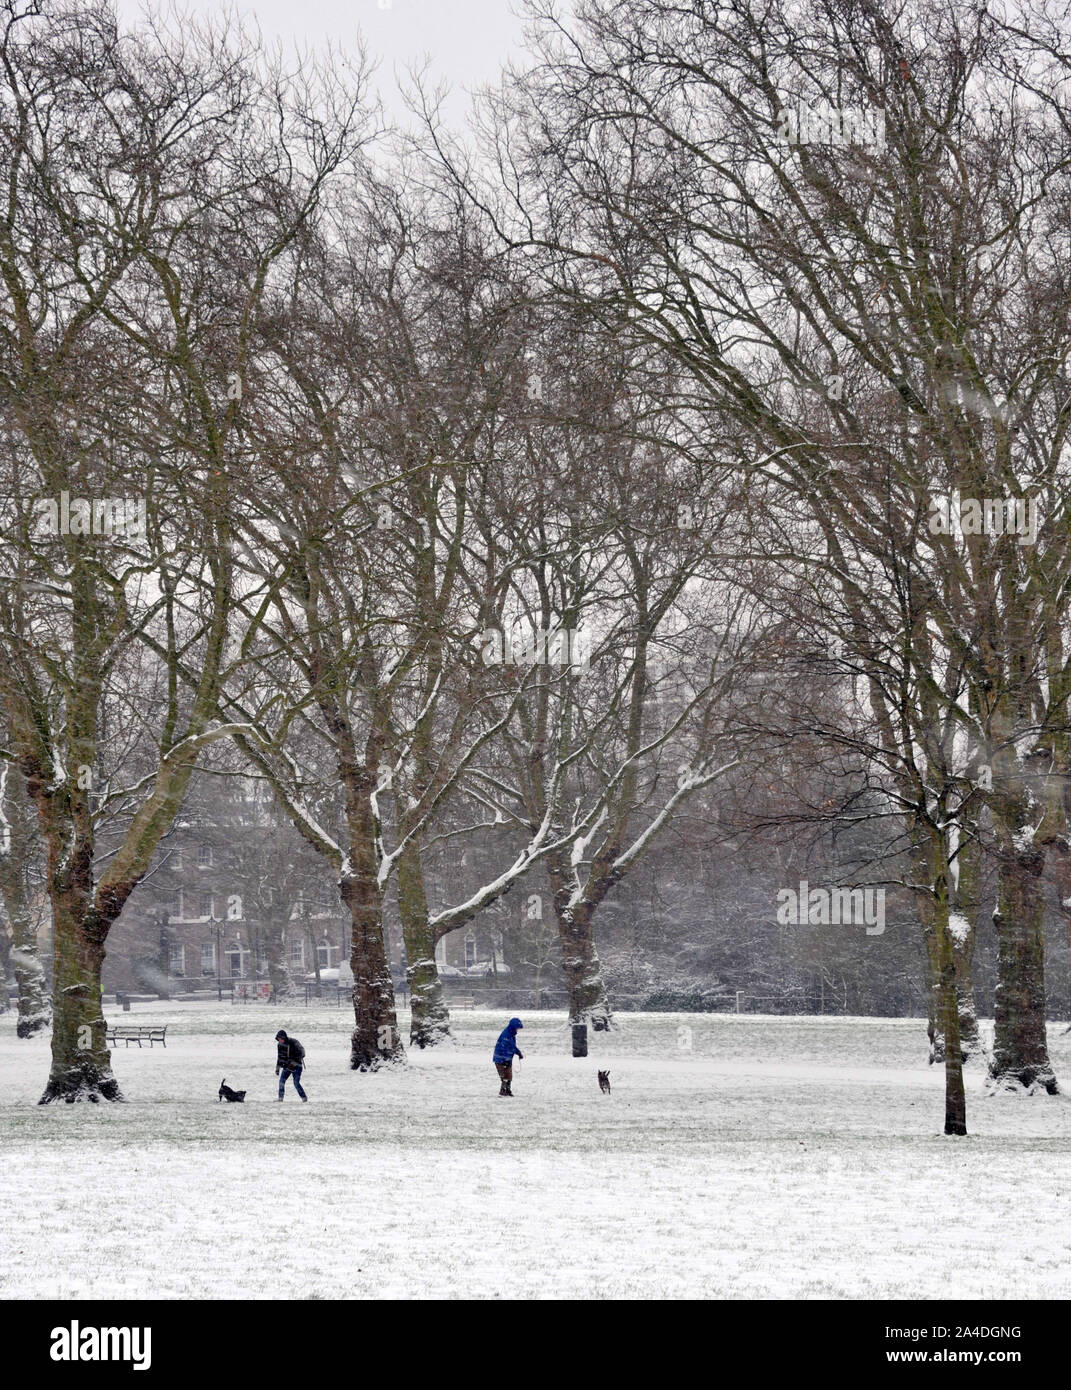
(440, 951)
(176, 860)
(323, 955)
(206, 904)
(470, 949)
(204, 856)
(297, 951)
(176, 960)
(235, 962)
(208, 958)
(179, 907)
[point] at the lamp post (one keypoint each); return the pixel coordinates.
(218, 923)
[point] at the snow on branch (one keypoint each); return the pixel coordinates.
(686, 785)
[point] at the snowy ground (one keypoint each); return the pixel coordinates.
(775, 1158)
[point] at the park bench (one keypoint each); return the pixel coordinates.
(152, 1036)
(464, 1001)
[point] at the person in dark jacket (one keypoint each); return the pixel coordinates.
(289, 1062)
(505, 1050)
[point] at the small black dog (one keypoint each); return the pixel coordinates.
(604, 1082)
(225, 1092)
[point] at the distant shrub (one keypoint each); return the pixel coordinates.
(705, 1001)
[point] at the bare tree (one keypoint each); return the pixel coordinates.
(129, 168)
(22, 892)
(810, 211)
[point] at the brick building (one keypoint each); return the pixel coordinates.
(232, 876)
(229, 880)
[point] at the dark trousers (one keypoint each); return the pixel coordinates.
(296, 1074)
(505, 1071)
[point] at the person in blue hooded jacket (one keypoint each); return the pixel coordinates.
(505, 1050)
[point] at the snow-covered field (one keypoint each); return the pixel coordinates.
(775, 1157)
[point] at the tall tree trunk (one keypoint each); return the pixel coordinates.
(81, 1063)
(948, 1013)
(313, 946)
(1059, 864)
(588, 1000)
(945, 984)
(966, 1015)
(274, 938)
(35, 1011)
(430, 1017)
(966, 896)
(376, 1041)
(33, 1004)
(931, 858)
(32, 986)
(5, 966)
(1020, 1044)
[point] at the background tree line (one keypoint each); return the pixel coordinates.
(648, 366)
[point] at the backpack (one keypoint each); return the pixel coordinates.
(297, 1052)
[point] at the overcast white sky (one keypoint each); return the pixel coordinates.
(466, 40)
